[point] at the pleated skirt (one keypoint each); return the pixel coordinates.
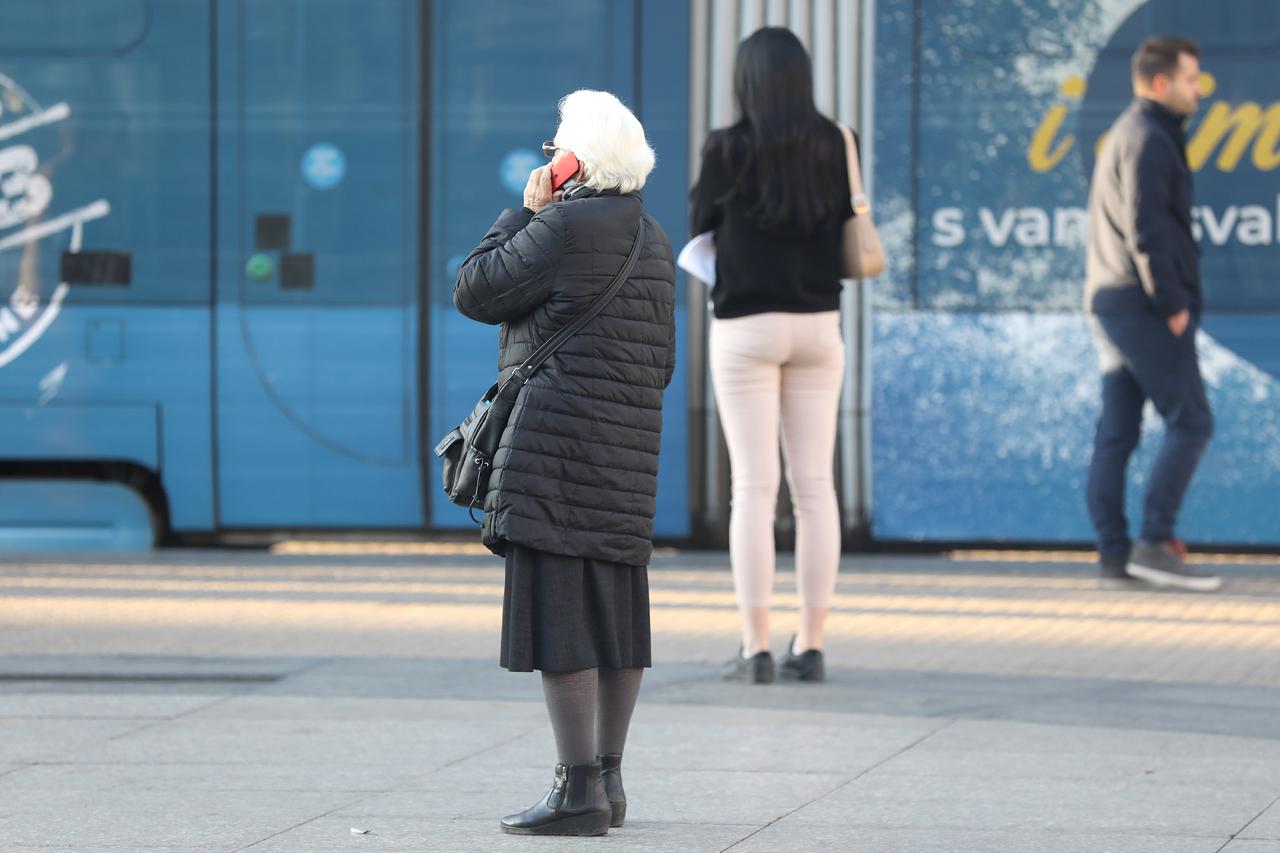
(562, 614)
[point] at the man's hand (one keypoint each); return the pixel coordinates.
(538, 193)
(1178, 322)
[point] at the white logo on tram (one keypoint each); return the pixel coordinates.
(26, 196)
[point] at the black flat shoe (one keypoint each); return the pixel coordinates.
(576, 805)
(611, 771)
(806, 666)
(757, 669)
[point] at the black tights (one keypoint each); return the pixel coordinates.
(590, 711)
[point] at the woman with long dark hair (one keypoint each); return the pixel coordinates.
(774, 190)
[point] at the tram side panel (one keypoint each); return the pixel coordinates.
(318, 369)
(104, 242)
(493, 100)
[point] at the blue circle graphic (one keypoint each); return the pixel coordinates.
(324, 166)
(516, 166)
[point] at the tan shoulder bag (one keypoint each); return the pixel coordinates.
(862, 255)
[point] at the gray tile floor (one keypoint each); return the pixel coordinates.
(216, 702)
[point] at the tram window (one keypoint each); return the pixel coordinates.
(106, 153)
(328, 139)
(73, 27)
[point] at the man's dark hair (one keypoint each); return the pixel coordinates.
(1159, 55)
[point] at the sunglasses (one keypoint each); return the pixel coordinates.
(549, 149)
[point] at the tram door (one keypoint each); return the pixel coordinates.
(498, 70)
(316, 374)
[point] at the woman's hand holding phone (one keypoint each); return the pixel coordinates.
(545, 183)
(538, 193)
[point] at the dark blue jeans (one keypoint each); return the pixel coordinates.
(1142, 360)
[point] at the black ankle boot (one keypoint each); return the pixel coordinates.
(612, 772)
(576, 805)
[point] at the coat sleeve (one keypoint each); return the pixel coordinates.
(1148, 177)
(671, 348)
(511, 272)
(714, 182)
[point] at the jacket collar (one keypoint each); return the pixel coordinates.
(584, 191)
(1173, 122)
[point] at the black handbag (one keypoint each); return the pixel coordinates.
(467, 451)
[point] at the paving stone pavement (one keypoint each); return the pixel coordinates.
(228, 701)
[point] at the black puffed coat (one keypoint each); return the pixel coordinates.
(576, 472)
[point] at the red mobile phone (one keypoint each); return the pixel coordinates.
(563, 169)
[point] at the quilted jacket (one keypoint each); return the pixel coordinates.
(576, 472)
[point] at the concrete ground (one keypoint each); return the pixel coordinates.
(226, 701)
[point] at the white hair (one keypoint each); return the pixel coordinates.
(607, 139)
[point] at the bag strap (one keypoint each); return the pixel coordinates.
(533, 362)
(851, 158)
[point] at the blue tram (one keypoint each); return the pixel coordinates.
(229, 231)
(227, 242)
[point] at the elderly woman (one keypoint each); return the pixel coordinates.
(571, 498)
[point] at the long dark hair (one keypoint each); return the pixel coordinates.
(789, 160)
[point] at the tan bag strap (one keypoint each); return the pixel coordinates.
(851, 159)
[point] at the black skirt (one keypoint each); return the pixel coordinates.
(562, 614)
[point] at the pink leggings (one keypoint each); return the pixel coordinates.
(781, 370)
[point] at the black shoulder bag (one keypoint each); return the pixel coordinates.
(467, 451)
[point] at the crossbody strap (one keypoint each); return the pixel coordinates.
(533, 362)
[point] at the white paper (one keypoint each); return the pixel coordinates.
(698, 257)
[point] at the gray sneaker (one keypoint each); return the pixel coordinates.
(1112, 575)
(1161, 564)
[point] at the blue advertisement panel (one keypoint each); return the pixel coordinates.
(986, 380)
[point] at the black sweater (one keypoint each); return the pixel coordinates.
(761, 270)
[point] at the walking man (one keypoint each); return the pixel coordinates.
(1143, 298)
